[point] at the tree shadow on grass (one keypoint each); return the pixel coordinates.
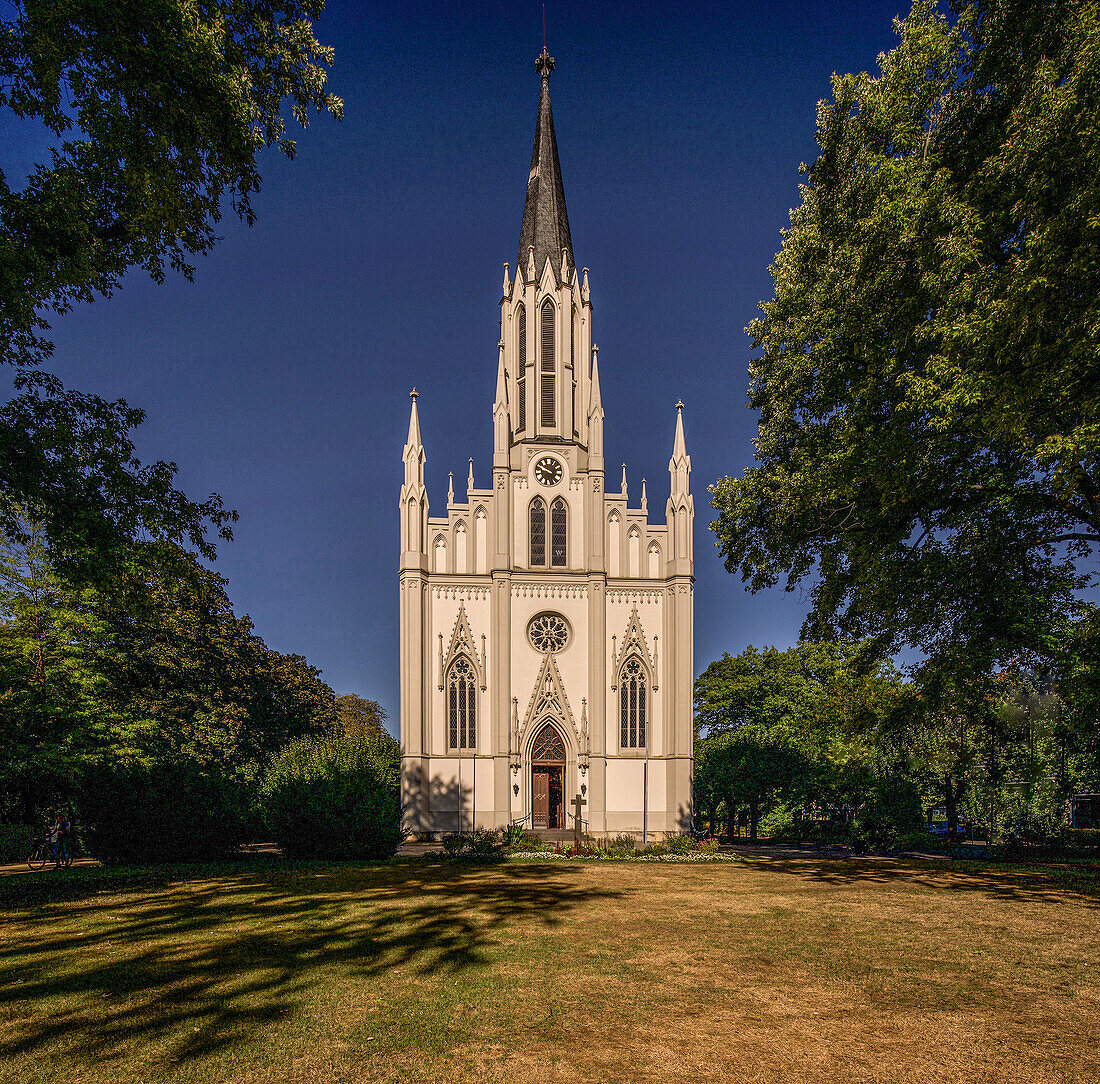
(198, 967)
(1054, 884)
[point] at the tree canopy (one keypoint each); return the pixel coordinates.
(153, 115)
(153, 667)
(928, 376)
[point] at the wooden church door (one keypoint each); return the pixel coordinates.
(547, 769)
(540, 797)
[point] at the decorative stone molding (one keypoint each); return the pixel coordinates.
(633, 644)
(548, 700)
(468, 592)
(462, 643)
(549, 590)
(634, 594)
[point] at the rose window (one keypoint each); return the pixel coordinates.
(548, 632)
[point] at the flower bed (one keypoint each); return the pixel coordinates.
(596, 855)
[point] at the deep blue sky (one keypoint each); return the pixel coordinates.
(280, 377)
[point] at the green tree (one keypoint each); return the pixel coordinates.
(748, 769)
(810, 726)
(928, 379)
(155, 112)
(53, 651)
(359, 715)
(151, 666)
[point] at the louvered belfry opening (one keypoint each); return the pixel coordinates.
(546, 353)
(538, 532)
(521, 370)
(559, 522)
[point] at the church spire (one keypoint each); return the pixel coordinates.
(545, 229)
(414, 497)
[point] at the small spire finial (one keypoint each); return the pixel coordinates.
(679, 404)
(413, 394)
(544, 65)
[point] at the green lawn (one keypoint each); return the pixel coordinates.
(762, 970)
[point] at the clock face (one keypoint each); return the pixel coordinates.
(548, 471)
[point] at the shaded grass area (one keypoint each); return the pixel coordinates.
(765, 970)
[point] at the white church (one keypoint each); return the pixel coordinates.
(546, 625)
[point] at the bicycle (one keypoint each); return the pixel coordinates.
(41, 852)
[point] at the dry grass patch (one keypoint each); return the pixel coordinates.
(767, 970)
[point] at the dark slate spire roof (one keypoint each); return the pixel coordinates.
(545, 221)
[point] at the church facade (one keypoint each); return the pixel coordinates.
(546, 625)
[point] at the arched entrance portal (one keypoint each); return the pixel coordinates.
(547, 771)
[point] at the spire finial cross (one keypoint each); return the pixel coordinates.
(679, 404)
(413, 394)
(544, 65)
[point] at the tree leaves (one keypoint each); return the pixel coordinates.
(928, 376)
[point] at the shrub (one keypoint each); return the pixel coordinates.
(334, 797)
(922, 841)
(708, 846)
(779, 823)
(621, 845)
(484, 843)
(171, 811)
(531, 842)
(678, 844)
(454, 843)
(1086, 839)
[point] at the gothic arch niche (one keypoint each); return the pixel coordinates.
(654, 561)
(461, 548)
(413, 526)
(614, 544)
(481, 541)
(439, 560)
(634, 546)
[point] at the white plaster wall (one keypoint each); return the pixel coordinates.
(624, 786)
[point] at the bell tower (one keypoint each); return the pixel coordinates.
(545, 311)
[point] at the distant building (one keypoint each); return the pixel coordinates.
(546, 626)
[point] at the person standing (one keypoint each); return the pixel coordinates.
(64, 834)
(53, 832)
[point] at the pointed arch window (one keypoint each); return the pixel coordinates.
(632, 706)
(538, 532)
(521, 370)
(559, 533)
(546, 353)
(573, 366)
(462, 704)
(548, 747)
